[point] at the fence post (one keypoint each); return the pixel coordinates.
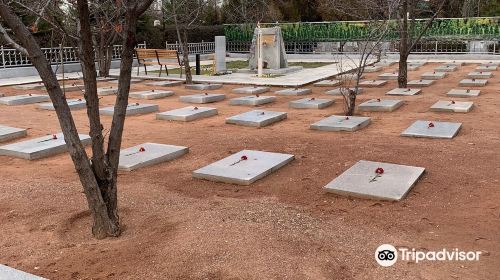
(3, 58)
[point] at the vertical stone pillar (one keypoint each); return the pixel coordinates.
(220, 54)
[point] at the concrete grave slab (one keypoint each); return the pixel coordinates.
(496, 63)
(2, 95)
(9, 273)
(244, 167)
(105, 79)
(452, 106)
(151, 94)
(454, 63)
(257, 118)
(202, 98)
(433, 75)
(132, 109)
(479, 75)
(252, 100)
(311, 103)
(148, 154)
(432, 129)
(8, 133)
(385, 63)
(187, 114)
(380, 105)
(417, 62)
(132, 81)
(376, 180)
(250, 90)
(24, 99)
(420, 83)
(348, 77)
(294, 91)
(413, 67)
(484, 68)
(73, 87)
(107, 91)
(343, 90)
(373, 68)
(203, 86)
(341, 123)
(327, 83)
(446, 68)
(74, 104)
(165, 83)
(404, 91)
(463, 93)
(388, 76)
(40, 147)
(372, 83)
(473, 83)
(35, 86)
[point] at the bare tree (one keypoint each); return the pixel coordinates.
(98, 175)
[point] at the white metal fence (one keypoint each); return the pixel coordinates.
(194, 48)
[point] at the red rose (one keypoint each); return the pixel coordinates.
(452, 102)
(346, 118)
(136, 104)
(244, 157)
(54, 137)
(257, 95)
(196, 108)
(431, 125)
(152, 90)
(79, 99)
(378, 99)
(142, 149)
(29, 94)
(313, 98)
(379, 170)
(206, 93)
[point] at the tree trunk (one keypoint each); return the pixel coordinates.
(403, 47)
(351, 102)
(185, 58)
(403, 70)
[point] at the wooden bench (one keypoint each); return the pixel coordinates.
(158, 57)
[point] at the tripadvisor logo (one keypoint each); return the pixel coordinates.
(387, 255)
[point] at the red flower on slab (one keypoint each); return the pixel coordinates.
(79, 99)
(346, 118)
(313, 99)
(136, 104)
(142, 149)
(196, 108)
(431, 125)
(452, 102)
(54, 137)
(378, 99)
(152, 90)
(257, 95)
(244, 157)
(379, 170)
(206, 93)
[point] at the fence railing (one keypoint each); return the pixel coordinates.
(194, 48)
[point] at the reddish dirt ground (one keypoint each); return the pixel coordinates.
(282, 227)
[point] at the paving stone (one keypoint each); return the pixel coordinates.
(187, 114)
(151, 94)
(380, 105)
(9, 273)
(202, 98)
(250, 90)
(8, 133)
(463, 93)
(24, 99)
(452, 106)
(372, 69)
(257, 118)
(74, 104)
(294, 91)
(252, 100)
(40, 147)
(372, 83)
(311, 103)
(480, 75)
(107, 91)
(165, 83)
(446, 68)
(328, 83)
(483, 68)
(35, 86)
(433, 75)
(341, 90)
(432, 129)
(341, 123)
(148, 154)
(132, 109)
(348, 77)
(420, 83)
(454, 63)
(132, 81)
(473, 83)
(388, 76)
(363, 181)
(203, 86)
(404, 91)
(244, 167)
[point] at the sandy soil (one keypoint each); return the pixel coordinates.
(281, 227)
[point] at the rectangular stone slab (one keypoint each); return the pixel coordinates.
(452, 106)
(420, 83)
(151, 94)
(24, 99)
(132, 81)
(472, 83)
(361, 180)
(9, 133)
(311, 103)
(107, 91)
(105, 79)
(341, 123)
(40, 147)
(348, 77)
(165, 83)
(496, 63)
(404, 91)
(372, 83)
(388, 76)
(72, 87)
(446, 68)
(380, 105)
(294, 91)
(484, 68)
(74, 104)
(187, 114)
(252, 100)
(372, 69)
(9, 273)
(2, 95)
(328, 83)
(342, 90)
(132, 109)
(442, 130)
(385, 63)
(35, 86)
(454, 63)
(250, 90)
(148, 154)
(235, 170)
(202, 98)
(433, 75)
(203, 86)
(413, 67)
(257, 118)
(463, 93)
(479, 75)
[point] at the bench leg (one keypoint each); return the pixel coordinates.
(159, 75)
(145, 69)
(166, 69)
(180, 69)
